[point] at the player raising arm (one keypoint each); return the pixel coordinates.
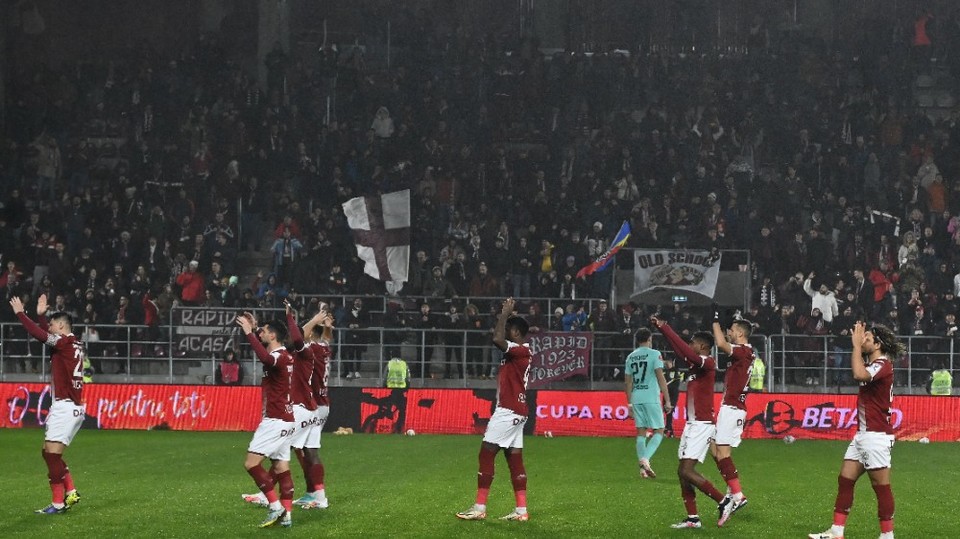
(733, 409)
(872, 364)
(67, 409)
(319, 333)
(699, 430)
(645, 385)
(272, 437)
(505, 429)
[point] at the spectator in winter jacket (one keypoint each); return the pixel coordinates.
(192, 285)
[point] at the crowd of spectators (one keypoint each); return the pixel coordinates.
(132, 182)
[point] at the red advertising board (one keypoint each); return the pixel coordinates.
(465, 411)
(141, 406)
(769, 415)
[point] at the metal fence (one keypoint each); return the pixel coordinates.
(451, 358)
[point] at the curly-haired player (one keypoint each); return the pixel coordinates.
(874, 350)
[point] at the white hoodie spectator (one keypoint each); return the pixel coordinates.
(823, 299)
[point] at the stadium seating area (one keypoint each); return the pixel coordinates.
(522, 166)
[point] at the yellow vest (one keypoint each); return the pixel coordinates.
(942, 383)
(397, 373)
(757, 374)
(87, 370)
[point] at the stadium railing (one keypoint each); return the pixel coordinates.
(130, 353)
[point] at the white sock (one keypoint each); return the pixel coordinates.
(521, 510)
(275, 505)
(886, 535)
(58, 505)
(319, 494)
(480, 507)
(693, 517)
(837, 530)
(737, 497)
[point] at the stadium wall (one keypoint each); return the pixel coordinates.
(464, 411)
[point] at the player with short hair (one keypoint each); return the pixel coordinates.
(700, 429)
(319, 332)
(272, 437)
(643, 366)
(67, 409)
(505, 429)
(733, 409)
(874, 350)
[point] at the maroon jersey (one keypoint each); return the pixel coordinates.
(301, 391)
(737, 378)
(321, 372)
(277, 379)
(66, 361)
(700, 377)
(512, 378)
(876, 397)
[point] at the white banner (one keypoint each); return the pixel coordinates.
(693, 271)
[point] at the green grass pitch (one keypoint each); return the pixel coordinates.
(188, 484)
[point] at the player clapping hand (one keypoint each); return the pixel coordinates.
(857, 334)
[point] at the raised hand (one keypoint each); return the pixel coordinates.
(245, 324)
(857, 334)
(16, 304)
(508, 305)
(42, 305)
(656, 322)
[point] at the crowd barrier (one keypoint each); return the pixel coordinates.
(465, 411)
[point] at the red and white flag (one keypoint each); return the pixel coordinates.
(381, 231)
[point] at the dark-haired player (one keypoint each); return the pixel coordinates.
(272, 437)
(700, 429)
(66, 391)
(505, 429)
(874, 350)
(645, 387)
(306, 410)
(733, 409)
(319, 334)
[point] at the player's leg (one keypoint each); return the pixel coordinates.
(63, 422)
(305, 464)
(641, 446)
(486, 458)
(876, 447)
(56, 470)
(688, 471)
(880, 480)
(262, 477)
(518, 477)
(316, 497)
(689, 496)
(653, 415)
(850, 471)
(281, 469)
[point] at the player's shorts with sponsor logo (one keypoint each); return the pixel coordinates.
(305, 421)
(313, 439)
(872, 449)
(63, 421)
(272, 439)
(695, 440)
(648, 414)
(730, 421)
(505, 428)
